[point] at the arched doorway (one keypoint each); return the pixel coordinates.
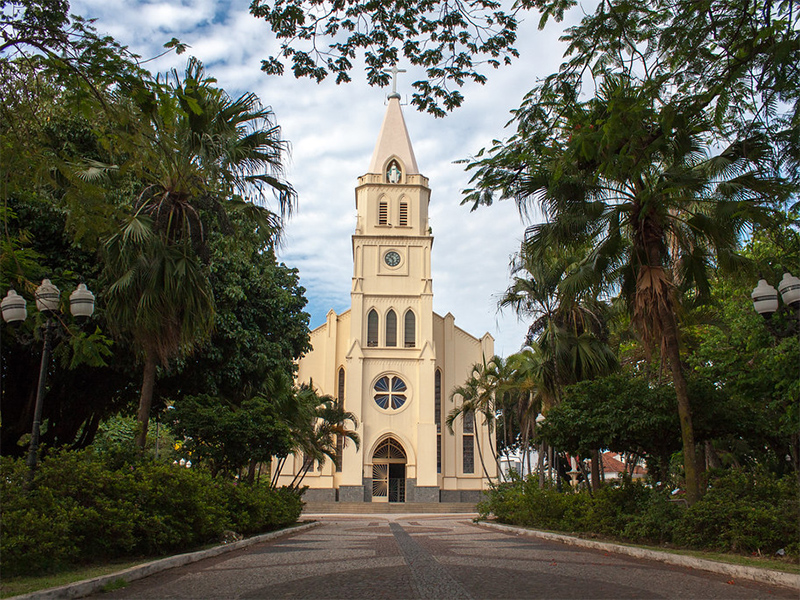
(389, 472)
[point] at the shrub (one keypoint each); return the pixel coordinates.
(744, 512)
(740, 512)
(83, 509)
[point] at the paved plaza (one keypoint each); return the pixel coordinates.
(430, 556)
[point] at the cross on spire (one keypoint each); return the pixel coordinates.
(394, 71)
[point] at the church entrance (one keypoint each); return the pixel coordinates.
(389, 472)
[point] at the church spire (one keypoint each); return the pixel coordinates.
(393, 141)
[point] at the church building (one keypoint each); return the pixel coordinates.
(390, 359)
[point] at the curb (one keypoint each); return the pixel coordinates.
(79, 589)
(757, 574)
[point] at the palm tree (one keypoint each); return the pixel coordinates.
(160, 297)
(479, 397)
(633, 178)
(565, 341)
(203, 154)
(319, 440)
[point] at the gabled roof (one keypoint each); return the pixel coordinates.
(393, 140)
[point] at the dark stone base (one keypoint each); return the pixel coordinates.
(319, 495)
(461, 496)
(426, 494)
(351, 493)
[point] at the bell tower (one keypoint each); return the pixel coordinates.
(391, 359)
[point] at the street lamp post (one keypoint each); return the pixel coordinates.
(48, 299)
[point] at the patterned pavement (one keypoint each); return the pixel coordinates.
(430, 556)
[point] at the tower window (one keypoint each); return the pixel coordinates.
(393, 172)
(391, 329)
(410, 327)
(372, 329)
(403, 214)
(383, 213)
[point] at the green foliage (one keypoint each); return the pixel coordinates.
(629, 413)
(82, 509)
(451, 41)
(260, 327)
(741, 512)
(744, 512)
(227, 437)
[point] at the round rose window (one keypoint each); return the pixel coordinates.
(390, 392)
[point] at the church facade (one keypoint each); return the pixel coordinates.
(390, 359)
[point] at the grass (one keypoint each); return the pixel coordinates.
(14, 586)
(786, 565)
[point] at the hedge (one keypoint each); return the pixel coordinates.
(82, 509)
(741, 512)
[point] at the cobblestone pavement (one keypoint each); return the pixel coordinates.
(430, 556)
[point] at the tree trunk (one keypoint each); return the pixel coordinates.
(540, 466)
(477, 436)
(595, 470)
(669, 330)
(251, 471)
(145, 400)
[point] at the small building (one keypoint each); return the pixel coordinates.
(390, 359)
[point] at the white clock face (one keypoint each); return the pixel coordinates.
(392, 258)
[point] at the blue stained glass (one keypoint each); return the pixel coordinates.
(382, 385)
(390, 394)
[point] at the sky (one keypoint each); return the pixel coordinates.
(332, 130)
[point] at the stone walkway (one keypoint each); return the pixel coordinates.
(430, 556)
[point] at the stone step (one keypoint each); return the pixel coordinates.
(360, 508)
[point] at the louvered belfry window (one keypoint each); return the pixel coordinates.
(383, 213)
(403, 214)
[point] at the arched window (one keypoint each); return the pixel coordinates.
(391, 329)
(340, 388)
(437, 417)
(410, 329)
(437, 400)
(372, 329)
(468, 443)
(403, 214)
(383, 213)
(339, 438)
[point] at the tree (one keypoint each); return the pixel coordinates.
(453, 41)
(260, 326)
(479, 393)
(635, 179)
(317, 437)
(201, 149)
(228, 437)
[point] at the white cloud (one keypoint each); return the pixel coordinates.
(332, 129)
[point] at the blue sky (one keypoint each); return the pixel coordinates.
(332, 130)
